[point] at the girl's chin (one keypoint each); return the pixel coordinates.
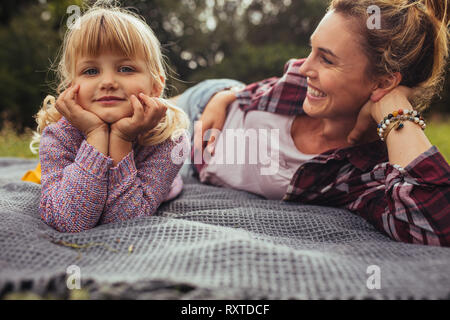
(113, 117)
(113, 114)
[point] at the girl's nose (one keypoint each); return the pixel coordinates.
(108, 81)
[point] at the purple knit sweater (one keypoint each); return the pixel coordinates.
(81, 188)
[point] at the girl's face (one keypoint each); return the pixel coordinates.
(337, 83)
(107, 83)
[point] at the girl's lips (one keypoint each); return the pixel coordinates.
(109, 101)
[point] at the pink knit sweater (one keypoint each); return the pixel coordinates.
(81, 189)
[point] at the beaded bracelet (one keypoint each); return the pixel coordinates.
(395, 120)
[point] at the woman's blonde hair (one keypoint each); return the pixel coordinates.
(412, 39)
(106, 26)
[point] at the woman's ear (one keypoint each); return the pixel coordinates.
(384, 85)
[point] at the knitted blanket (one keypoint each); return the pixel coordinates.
(211, 243)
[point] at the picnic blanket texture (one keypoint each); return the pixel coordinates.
(212, 243)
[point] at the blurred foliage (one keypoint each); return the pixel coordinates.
(250, 63)
(247, 40)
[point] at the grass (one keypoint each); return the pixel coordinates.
(438, 131)
(14, 145)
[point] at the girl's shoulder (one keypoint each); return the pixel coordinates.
(61, 124)
(178, 147)
(63, 130)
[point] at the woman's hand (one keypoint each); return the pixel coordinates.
(374, 111)
(212, 118)
(145, 117)
(85, 121)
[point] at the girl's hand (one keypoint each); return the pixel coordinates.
(212, 118)
(85, 121)
(373, 112)
(145, 117)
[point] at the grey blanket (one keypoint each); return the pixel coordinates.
(212, 243)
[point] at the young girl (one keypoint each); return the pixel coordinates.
(106, 143)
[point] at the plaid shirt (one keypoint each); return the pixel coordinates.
(410, 204)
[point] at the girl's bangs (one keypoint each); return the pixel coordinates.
(104, 33)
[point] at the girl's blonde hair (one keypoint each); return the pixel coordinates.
(412, 39)
(107, 27)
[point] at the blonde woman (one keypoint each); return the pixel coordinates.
(106, 143)
(326, 108)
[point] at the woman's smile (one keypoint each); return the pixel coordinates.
(315, 94)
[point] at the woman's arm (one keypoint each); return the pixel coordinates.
(416, 179)
(408, 143)
(409, 204)
(212, 118)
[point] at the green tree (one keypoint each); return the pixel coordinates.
(24, 63)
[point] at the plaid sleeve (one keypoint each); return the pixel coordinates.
(283, 95)
(416, 202)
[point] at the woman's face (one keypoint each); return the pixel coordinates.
(107, 83)
(337, 83)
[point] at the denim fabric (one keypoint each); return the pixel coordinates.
(194, 100)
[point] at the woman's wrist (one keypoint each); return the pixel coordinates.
(397, 119)
(226, 96)
(388, 105)
(406, 144)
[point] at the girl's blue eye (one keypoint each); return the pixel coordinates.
(90, 72)
(126, 69)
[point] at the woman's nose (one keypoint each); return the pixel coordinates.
(307, 68)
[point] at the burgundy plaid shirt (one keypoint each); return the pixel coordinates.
(410, 204)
